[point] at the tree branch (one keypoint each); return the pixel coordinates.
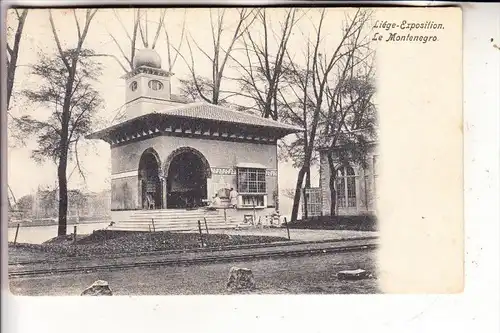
(58, 43)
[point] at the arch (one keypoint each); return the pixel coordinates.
(150, 180)
(350, 169)
(154, 153)
(186, 171)
(182, 150)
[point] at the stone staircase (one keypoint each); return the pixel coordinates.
(174, 220)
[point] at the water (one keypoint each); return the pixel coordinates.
(38, 235)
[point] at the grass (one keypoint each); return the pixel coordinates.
(355, 223)
(291, 275)
(105, 242)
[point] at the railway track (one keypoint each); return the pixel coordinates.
(191, 261)
(198, 250)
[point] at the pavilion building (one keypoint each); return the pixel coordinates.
(171, 156)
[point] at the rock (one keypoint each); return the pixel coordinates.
(98, 288)
(240, 279)
(356, 274)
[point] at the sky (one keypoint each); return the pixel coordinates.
(38, 38)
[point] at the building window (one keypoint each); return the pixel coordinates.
(346, 187)
(155, 85)
(133, 86)
(252, 186)
(252, 200)
(314, 202)
(251, 180)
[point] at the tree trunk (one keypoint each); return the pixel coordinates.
(333, 198)
(307, 185)
(11, 68)
(304, 196)
(333, 192)
(63, 195)
(296, 198)
(308, 177)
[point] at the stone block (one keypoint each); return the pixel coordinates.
(356, 274)
(240, 279)
(98, 288)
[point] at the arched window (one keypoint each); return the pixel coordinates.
(155, 85)
(346, 187)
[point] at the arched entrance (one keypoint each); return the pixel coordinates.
(149, 180)
(187, 171)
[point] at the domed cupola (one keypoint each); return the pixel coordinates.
(147, 85)
(148, 58)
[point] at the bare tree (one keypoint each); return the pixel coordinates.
(210, 89)
(313, 84)
(12, 56)
(67, 90)
(13, 51)
(172, 54)
(128, 56)
(263, 70)
(350, 123)
(141, 24)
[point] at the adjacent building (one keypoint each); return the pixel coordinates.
(354, 184)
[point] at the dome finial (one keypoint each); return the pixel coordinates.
(147, 57)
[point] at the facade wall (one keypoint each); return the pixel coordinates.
(125, 193)
(222, 156)
(365, 182)
(147, 105)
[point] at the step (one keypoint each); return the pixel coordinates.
(142, 227)
(178, 221)
(175, 221)
(175, 218)
(171, 212)
(176, 215)
(176, 224)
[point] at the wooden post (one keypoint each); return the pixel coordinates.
(254, 214)
(206, 225)
(149, 226)
(225, 216)
(201, 234)
(287, 230)
(153, 221)
(17, 231)
(74, 234)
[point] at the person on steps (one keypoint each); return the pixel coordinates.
(233, 197)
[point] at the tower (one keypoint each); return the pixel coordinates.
(147, 85)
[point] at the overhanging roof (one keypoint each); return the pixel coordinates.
(207, 112)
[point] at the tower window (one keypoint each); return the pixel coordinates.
(133, 86)
(155, 85)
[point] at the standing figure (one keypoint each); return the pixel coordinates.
(233, 197)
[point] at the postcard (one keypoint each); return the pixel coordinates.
(223, 151)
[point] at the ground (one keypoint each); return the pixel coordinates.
(106, 242)
(305, 264)
(300, 275)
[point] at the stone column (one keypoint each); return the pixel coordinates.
(139, 193)
(163, 192)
